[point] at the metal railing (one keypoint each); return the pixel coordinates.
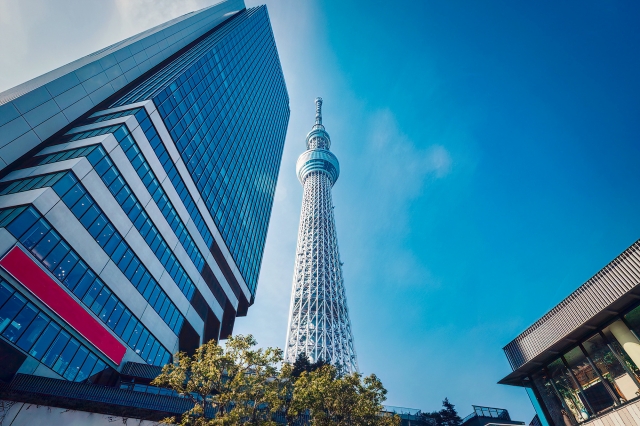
(494, 413)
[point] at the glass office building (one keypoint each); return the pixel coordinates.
(136, 187)
(580, 362)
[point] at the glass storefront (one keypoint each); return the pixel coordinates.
(595, 376)
(567, 388)
(614, 366)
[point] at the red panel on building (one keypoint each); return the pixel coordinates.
(38, 282)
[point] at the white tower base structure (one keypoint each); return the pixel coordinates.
(319, 323)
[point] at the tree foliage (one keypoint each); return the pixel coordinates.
(341, 400)
(447, 416)
(239, 384)
(302, 364)
(236, 381)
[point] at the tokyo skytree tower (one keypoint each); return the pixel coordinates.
(319, 318)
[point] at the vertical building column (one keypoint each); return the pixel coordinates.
(627, 340)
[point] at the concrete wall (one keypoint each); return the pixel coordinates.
(23, 414)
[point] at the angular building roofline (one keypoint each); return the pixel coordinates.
(35, 110)
(166, 27)
(595, 303)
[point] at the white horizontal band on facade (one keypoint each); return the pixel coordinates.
(35, 110)
(157, 217)
(49, 205)
(7, 241)
(96, 188)
(190, 185)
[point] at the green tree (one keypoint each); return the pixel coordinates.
(244, 385)
(447, 416)
(337, 400)
(302, 363)
(237, 381)
(282, 400)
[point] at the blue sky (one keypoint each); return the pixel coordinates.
(488, 154)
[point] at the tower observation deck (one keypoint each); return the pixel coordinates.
(319, 318)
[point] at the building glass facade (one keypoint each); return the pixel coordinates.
(591, 378)
(227, 113)
(136, 230)
(593, 371)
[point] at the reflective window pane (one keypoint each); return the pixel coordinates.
(606, 361)
(568, 390)
(75, 364)
(5, 293)
(65, 267)
(559, 413)
(10, 309)
(617, 348)
(19, 324)
(56, 256)
(84, 285)
(66, 356)
(22, 223)
(32, 333)
(56, 348)
(598, 393)
(86, 368)
(73, 277)
(45, 245)
(44, 341)
(33, 236)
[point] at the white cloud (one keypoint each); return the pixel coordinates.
(400, 156)
(398, 169)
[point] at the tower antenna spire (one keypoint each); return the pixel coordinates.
(318, 110)
(319, 324)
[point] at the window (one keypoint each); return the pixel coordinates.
(598, 393)
(20, 322)
(45, 339)
(568, 389)
(10, 309)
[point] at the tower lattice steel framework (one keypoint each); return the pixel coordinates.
(319, 318)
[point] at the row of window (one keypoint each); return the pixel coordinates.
(149, 87)
(42, 181)
(113, 115)
(134, 209)
(151, 182)
(163, 156)
(154, 390)
(86, 210)
(30, 183)
(191, 99)
(595, 376)
(198, 108)
(91, 216)
(112, 178)
(182, 191)
(251, 222)
(64, 155)
(116, 184)
(174, 176)
(241, 166)
(251, 196)
(46, 245)
(26, 326)
(90, 133)
(170, 212)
